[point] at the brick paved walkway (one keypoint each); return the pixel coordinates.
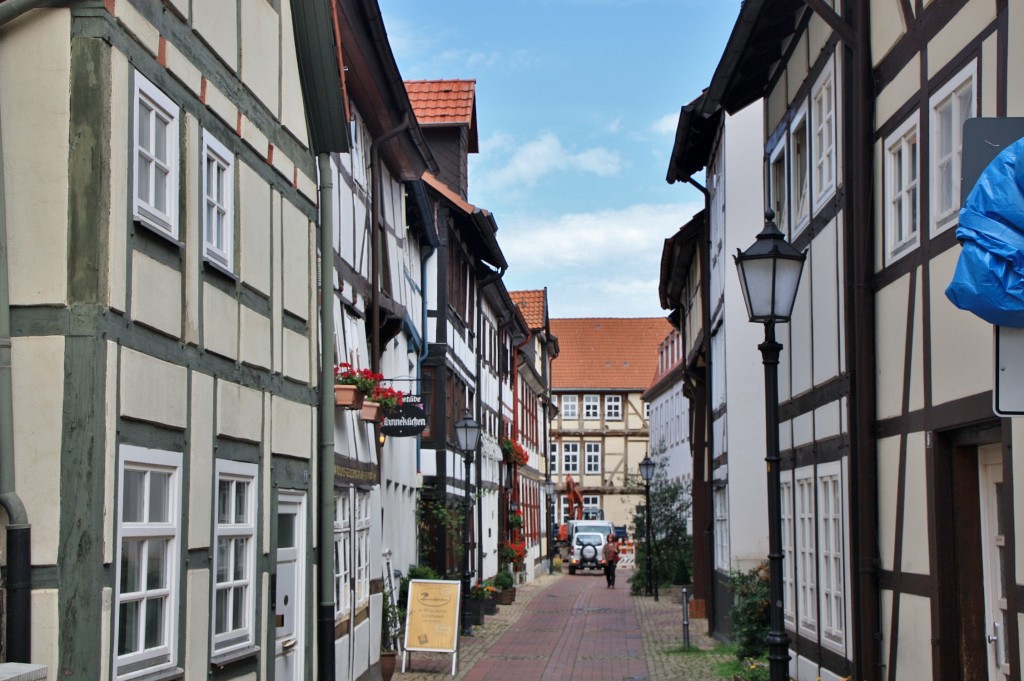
(564, 628)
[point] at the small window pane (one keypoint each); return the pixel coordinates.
(223, 501)
(238, 608)
(223, 556)
(285, 531)
(154, 622)
(241, 502)
(156, 565)
(220, 624)
(131, 566)
(159, 499)
(128, 632)
(240, 562)
(132, 502)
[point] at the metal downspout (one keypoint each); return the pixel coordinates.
(488, 279)
(708, 427)
(12, 9)
(19, 532)
(860, 318)
(375, 228)
(325, 549)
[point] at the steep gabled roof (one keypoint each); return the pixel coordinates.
(607, 353)
(531, 304)
(445, 103)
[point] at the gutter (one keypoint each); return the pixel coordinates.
(325, 491)
(18, 643)
(12, 9)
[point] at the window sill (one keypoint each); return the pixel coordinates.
(222, 660)
(169, 674)
(158, 231)
(218, 269)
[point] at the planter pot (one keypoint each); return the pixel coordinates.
(348, 396)
(388, 660)
(372, 411)
(490, 606)
(505, 596)
(513, 590)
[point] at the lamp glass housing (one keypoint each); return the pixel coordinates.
(549, 487)
(647, 468)
(769, 274)
(467, 433)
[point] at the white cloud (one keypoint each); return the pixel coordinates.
(666, 125)
(533, 160)
(602, 263)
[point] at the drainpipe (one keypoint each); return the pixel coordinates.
(425, 254)
(708, 426)
(19, 531)
(325, 549)
(375, 228)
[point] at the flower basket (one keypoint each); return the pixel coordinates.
(505, 596)
(388, 398)
(363, 379)
(371, 411)
(347, 396)
(514, 453)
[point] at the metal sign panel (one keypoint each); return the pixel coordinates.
(984, 138)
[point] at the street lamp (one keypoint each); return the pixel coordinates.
(647, 473)
(467, 438)
(769, 276)
(549, 491)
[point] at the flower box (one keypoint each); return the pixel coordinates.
(348, 396)
(371, 411)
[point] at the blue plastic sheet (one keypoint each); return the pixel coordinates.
(989, 276)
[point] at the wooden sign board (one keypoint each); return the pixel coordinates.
(432, 618)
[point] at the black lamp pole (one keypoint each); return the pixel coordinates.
(467, 435)
(549, 490)
(769, 275)
(647, 473)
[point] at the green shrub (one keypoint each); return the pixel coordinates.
(503, 580)
(414, 572)
(751, 611)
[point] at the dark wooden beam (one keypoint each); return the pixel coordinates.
(833, 19)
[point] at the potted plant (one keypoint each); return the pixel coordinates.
(390, 636)
(475, 604)
(514, 453)
(505, 585)
(352, 386)
(515, 520)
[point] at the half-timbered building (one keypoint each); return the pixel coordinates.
(900, 554)
(599, 436)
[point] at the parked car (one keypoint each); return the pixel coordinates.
(586, 551)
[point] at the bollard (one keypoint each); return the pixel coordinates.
(686, 617)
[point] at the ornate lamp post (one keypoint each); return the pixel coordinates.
(549, 492)
(647, 473)
(467, 437)
(769, 276)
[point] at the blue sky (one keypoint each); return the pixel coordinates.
(577, 103)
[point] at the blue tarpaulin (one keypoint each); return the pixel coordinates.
(989, 276)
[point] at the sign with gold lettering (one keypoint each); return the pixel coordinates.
(432, 617)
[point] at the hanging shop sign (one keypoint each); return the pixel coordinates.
(409, 420)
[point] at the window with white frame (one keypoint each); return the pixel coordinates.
(831, 555)
(806, 553)
(613, 407)
(786, 517)
(799, 145)
(591, 501)
(953, 104)
(156, 158)
(218, 201)
(570, 407)
(591, 407)
(902, 193)
(563, 508)
(553, 458)
(647, 411)
(148, 534)
(778, 186)
(234, 559)
(823, 148)
(720, 502)
(571, 457)
(362, 594)
(593, 457)
(342, 555)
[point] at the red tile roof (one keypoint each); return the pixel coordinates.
(444, 102)
(607, 352)
(531, 304)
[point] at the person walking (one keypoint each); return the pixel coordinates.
(611, 557)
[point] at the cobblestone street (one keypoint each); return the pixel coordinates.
(574, 629)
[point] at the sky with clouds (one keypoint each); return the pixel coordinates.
(577, 104)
